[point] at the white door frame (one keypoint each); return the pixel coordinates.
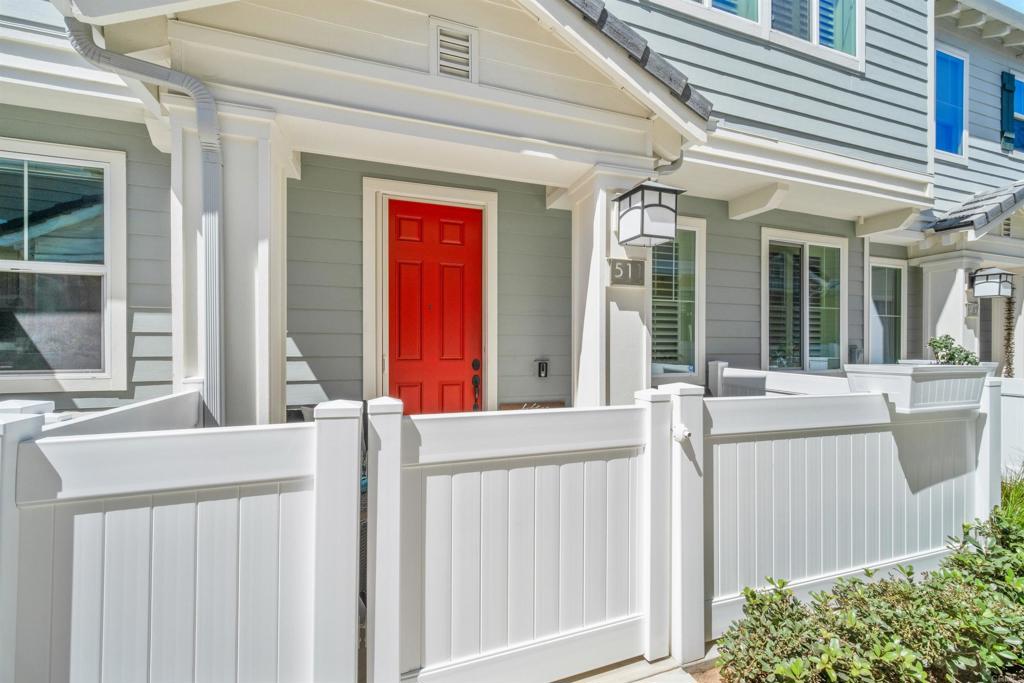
(376, 193)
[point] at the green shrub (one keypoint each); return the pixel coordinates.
(961, 623)
(1013, 497)
(948, 352)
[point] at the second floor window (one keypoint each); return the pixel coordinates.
(950, 102)
(1018, 114)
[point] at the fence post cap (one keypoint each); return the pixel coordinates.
(26, 406)
(682, 389)
(25, 419)
(338, 409)
(651, 396)
(993, 381)
(384, 405)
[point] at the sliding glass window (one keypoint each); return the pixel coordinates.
(886, 313)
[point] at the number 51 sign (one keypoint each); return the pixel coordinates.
(627, 272)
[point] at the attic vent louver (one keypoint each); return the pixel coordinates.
(1006, 228)
(454, 50)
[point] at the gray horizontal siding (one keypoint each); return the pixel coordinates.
(325, 282)
(879, 116)
(987, 166)
(733, 317)
(149, 282)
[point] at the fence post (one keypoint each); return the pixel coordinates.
(14, 428)
(655, 507)
(383, 539)
(688, 612)
(988, 477)
(336, 541)
(716, 377)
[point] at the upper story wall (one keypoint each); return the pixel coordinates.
(878, 114)
(987, 166)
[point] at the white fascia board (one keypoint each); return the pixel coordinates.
(104, 12)
(744, 152)
(569, 24)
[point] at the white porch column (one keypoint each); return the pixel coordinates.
(946, 295)
(609, 335)
(257, 162)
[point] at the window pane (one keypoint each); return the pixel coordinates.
(886, 314)
(837, 25)
(949, 103)
(824, 302)
(12, 209)
(65, 221)
(673, 305)
(50, 322)
(785, 337)
(744, 8)
(792, 17)
(1018, 97)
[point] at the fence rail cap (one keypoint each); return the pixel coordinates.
(338, 409)
(26, 406)
(384, 405)
(682, 389)
(7, 419)
(993, 381)
(652, 396)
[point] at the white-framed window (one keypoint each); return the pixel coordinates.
(675, 304)
(831, 30)
(62, 268)
(1018, 112)
(887, 310)
(803, 301)
(952, 92)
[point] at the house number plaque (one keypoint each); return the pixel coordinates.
(627, 272)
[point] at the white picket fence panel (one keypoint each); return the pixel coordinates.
(532, 545)
(183, 555)
(1013, 425)
(724, 381)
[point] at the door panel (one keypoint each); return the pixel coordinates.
(435, 307)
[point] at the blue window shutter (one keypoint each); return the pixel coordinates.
(1006, 119)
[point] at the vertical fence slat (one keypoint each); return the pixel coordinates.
(595, 541)
(521, 544)
(295, 581)
(216, 585)
(336, 563)
(494, 559)
(989, 472)
(437, 569)
(126, 592)
(465, 552)
(617, 548)
(258, 552)
(173, 603)
(570, 546)
(87, 598)
(547, 532)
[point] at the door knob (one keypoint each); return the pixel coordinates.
(476, 364)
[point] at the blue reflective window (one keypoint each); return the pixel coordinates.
(949, 102)
(744, 8)
(1018, 114)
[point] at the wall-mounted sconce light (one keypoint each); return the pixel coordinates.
(647, 214)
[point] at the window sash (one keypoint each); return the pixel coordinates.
(672, 303)
(886, 326)
(950, 102)
(101, 270)
(832, 24)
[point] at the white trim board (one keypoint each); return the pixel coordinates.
(769, 235)
(376, 192)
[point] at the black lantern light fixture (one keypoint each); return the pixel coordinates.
(647, 214)
(988, 283)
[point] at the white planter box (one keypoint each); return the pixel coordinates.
(921, 386)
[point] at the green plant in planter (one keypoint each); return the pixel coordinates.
(948, 352)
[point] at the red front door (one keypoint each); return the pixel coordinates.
(435, 348)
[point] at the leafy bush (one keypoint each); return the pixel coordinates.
(948, 352)
(1013, 497)
(961, 623)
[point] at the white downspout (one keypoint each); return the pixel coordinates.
(80, 35)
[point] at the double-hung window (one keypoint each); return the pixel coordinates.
(951, 72)
(1018, 114)
(887, 321)
(835, 25)
(803, 301)
(62, 275)
(677, 304)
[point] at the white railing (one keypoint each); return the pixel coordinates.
(725, 381)
(1013, 425)
(525, 546)
(193, 554)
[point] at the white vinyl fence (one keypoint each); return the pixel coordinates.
(511, 546)
(1013, 425)
(530, 545)
(181, 555)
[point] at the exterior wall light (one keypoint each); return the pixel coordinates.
(988, 283)
(647, 214)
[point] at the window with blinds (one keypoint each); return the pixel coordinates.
(804, 307)
(886, 314)
(674, 305)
